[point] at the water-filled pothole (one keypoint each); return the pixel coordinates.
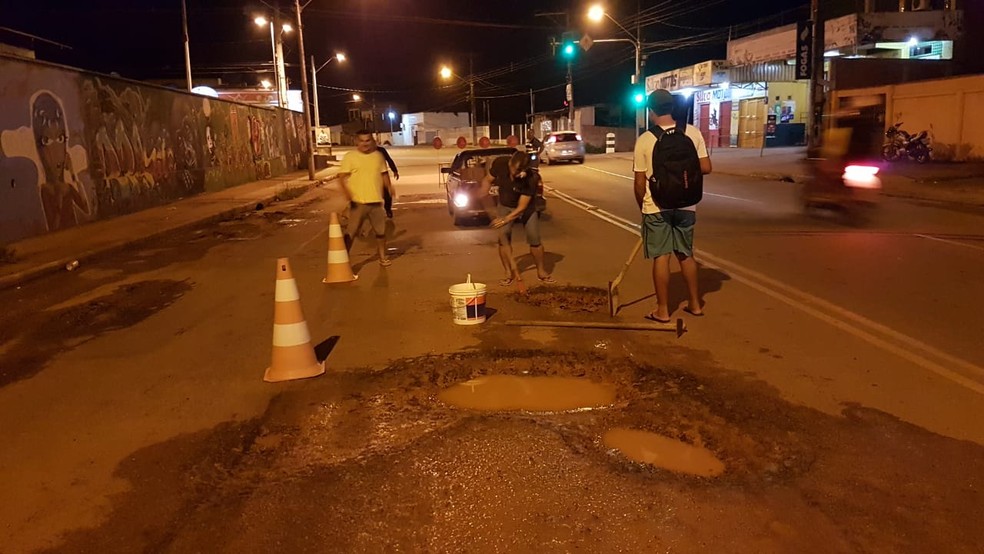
(528, 394)
(664, 452)
(572, 299)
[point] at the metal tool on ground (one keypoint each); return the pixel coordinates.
(613, 302)
(679, 326)
(339, 267)
(293, 354)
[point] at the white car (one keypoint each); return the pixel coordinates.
(562, 146)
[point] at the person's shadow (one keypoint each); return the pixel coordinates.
(550, 260)
(709, 280)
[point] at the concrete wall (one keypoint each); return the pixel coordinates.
(950, 109)
(77, 147)
(595, 136)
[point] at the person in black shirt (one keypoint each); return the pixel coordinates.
(518, 185)
(387, 198)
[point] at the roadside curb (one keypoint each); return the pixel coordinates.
(21, 277)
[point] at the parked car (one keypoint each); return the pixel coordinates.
(563, 146)
(462, 181)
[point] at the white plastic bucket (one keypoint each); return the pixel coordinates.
(468, 302)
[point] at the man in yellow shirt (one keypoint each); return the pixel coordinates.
(363, 174)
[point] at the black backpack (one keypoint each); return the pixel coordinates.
(677, 180)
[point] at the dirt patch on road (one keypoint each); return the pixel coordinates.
(43, 335)
(568, 299)
(375, 461)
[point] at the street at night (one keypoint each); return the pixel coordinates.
(284, 276)
(841, 398)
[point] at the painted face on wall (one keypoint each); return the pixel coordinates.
(50, 135)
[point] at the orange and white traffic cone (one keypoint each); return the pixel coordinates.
(339, 268)
(293, 355)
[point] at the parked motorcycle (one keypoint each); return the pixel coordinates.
(900, 145)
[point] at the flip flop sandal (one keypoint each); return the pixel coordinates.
(693, 313)
(506, 282)
(652, 317)
(386, 263)
(548, 279)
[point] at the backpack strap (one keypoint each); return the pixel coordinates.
(657, 131)
(681, 127)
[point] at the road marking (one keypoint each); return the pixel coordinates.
(845, 320)
(705, 193)
(953, 242)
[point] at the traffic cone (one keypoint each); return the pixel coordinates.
(293, 355)
(339, 268)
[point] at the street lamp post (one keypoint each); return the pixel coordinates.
(446, 74)
(277, 48)
(391, 117)
(314, 86)
(596, 13)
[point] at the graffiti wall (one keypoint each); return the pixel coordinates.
(76, 146)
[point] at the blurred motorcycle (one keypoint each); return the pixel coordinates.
(844, 171)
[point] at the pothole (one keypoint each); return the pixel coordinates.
(528, 394)
(572, 299)
(664, 452)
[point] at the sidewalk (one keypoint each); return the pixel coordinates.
(952, 183)
(43, 254)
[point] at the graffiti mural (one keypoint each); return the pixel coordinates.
(45, 143)
(75, 147)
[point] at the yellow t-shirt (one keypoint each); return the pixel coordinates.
(365, 175)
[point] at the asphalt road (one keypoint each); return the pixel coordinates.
(836, 377)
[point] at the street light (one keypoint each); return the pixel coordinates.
(265, 83)
(356, 97)
(446, 74)
(276, 45)
(391, 115)
(596, 13)
(314, 86)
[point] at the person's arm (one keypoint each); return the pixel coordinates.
(639, 165)
(524, 201)
(390, 163)
(343, 176)
(702, 155)
(639, 187)
(388, 184)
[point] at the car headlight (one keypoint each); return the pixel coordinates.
(460, 200)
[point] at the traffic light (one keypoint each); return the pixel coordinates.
(638, 97)
(568, 50)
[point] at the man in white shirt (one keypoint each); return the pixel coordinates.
(667, 231)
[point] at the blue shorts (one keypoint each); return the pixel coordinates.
(532, 227)
(667, 232)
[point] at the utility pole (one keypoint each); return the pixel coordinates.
(304, 93)
(314, 89)
(184, 26)
(278, 54)
(471, 93)
(817, 99)
(570, 97)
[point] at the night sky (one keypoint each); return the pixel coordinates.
(395, 47)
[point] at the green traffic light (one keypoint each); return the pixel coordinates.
(639, 98)
(569, 50)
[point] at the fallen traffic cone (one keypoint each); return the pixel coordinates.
(293, 355)
(339, 268)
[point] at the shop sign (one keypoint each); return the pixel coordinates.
(804, 49)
